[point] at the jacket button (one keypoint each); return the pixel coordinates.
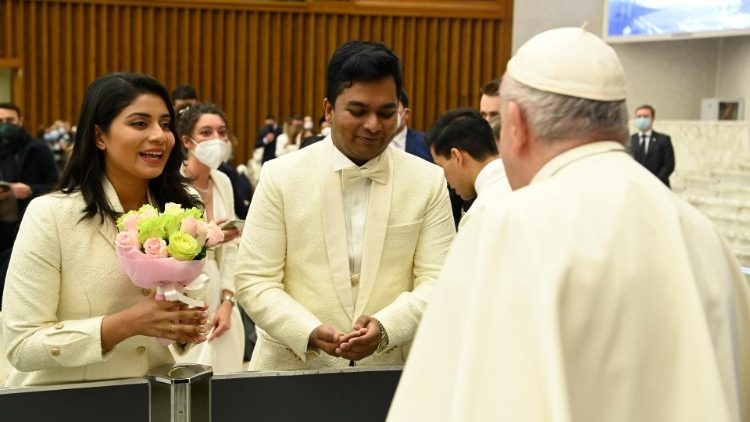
(140, 350)
(59, 326)
(146, 292)
(54, 351)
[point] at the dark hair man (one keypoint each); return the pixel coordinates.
(344, 238)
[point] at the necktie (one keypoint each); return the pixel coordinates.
(644, 144)
(377, 173)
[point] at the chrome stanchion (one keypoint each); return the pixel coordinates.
(180, 393)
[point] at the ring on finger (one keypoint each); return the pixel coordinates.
(171, 327)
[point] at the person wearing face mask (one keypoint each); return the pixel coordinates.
(325, 130)
(29, 166)
(204, 134)
(652, 149)
(406, 139)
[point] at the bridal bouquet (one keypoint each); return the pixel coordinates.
(165, 251)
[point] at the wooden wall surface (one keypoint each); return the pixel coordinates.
(249, 57)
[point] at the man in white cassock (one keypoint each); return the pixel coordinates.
(590, 293)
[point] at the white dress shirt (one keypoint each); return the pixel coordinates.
(491, 183)
(643, 140)
(355, 199)
(489, 174)
(399, 141)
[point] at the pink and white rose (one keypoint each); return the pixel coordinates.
(202, 232)
(155, 247)
(130, 223)
(215, 235)
(189, 225)
(126, 241)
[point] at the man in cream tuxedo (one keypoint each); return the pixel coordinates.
(345, 238)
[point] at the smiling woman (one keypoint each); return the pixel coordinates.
(67, 302)
(204, 134)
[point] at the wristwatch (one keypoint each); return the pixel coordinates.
(383, 337)
(228, 297)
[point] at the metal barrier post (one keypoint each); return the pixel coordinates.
(180, 393)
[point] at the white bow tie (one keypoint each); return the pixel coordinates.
(377, 173)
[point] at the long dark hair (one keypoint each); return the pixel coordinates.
(105, 99)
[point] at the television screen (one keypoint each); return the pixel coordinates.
(640, 20)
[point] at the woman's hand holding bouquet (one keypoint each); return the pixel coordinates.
(165, 251)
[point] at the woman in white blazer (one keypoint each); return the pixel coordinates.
(204, 134)
(71, 314)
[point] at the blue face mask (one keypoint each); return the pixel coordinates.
(643, 123)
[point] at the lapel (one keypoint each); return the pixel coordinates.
(378, 209)
(334, 226)
(635, 147)
(653, 145)
(107, 228)
(222, 197)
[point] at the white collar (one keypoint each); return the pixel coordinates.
(486, 175)
(574, 154)
(399, 140)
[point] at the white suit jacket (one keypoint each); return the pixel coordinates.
(62, 280)
(293, 265)
(592, 294)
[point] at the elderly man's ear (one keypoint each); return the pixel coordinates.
(517, 129)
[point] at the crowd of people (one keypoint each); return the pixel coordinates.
(578, 286)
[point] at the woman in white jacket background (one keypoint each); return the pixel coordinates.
(204, 134)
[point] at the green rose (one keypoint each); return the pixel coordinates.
(183, 247)
(171, 223)
(146, 208)
(194, 212)
(151, 227)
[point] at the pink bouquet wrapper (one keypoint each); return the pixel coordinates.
(168, 275)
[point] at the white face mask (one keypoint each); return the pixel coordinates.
(212, 152)
(307, 125)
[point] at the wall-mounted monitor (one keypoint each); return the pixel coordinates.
(652, 20)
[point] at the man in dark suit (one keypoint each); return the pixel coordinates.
(652, 149)
(406, 139)
(266, 138)
(27, 168)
